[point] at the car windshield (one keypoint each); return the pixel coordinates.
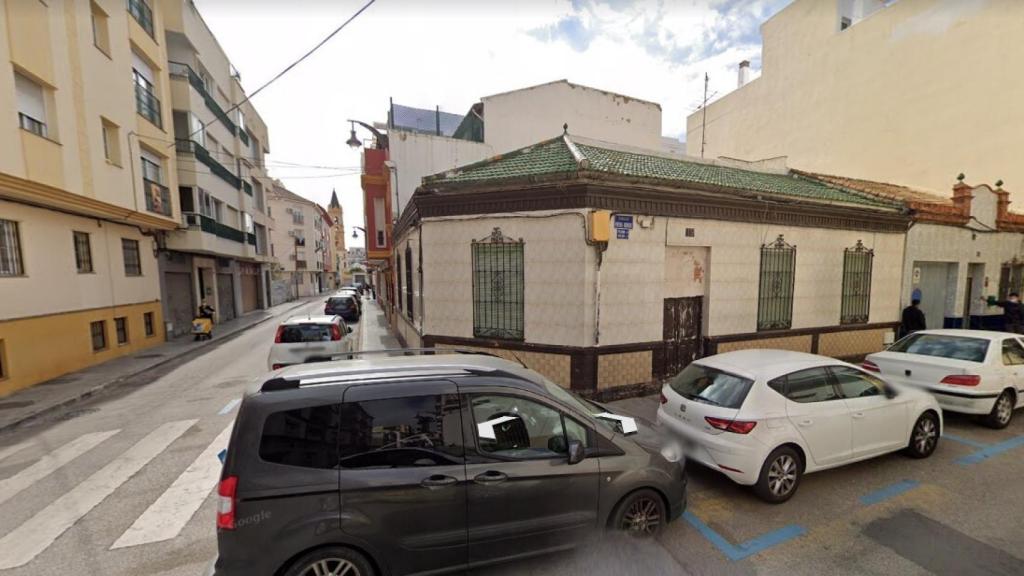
(943, 346)
(582, 404)
(296, 333)
(711, 386)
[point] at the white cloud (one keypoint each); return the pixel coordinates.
(452, 53)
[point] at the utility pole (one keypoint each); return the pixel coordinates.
(704, 117)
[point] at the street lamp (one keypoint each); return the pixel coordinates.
(356, 236)
(354, 142)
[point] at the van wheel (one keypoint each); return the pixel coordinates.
(1002, 411)
(780, 476)
(924, 438)
(642, 514)
(331, 561)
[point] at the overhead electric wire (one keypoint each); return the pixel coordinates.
(286, 70)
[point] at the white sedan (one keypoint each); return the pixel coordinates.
(304, 339)
(766, 417)
(969, 371)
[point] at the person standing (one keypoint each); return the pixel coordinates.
(913, 319)
(1013, 313)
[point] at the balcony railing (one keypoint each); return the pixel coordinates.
(301, 242)
(148, 105)
(142, 13)
(158, 197)
(194, 220)
(182, 70)
(203, 156)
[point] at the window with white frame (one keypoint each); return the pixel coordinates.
(111, 141)
(31, 105)
(151, 167)
(100, 28)
(10, 249)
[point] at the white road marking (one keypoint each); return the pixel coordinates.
(50, 463)
(12, 450)
(167, 516)
(229, 407)
(37, 533)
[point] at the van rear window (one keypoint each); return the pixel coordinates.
(297, 333)
(304, 437)
(943, 346)
(711, 386)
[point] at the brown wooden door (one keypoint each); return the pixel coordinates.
(682, 332)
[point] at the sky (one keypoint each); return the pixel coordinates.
(450, 53)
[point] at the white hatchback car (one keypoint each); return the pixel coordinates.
(304, 339)
(766, 417)
(969, 371)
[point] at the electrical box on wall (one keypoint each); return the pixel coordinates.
(600, 225)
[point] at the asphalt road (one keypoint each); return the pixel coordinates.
(122, 484)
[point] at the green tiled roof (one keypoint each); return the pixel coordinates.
(554, 157)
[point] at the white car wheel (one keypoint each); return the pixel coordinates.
(1002, 411)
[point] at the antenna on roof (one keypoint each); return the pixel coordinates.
(704, 117)
(565, 128)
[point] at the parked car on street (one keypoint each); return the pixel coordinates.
(767, 417)
(304, 339)
(969, 371)
(424, 464)
(354, 287)
(345, 305)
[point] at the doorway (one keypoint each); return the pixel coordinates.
(682, 332)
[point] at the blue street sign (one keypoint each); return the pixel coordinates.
(623, 222)
(622, 233)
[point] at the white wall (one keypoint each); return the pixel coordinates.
(417, 155)
(52, 284)
(523, 117)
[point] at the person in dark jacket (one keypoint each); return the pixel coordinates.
(1013, 313)
(913, 319)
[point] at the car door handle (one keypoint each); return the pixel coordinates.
(438, 481)
(858, 414)
(490, 477)
(807, 422)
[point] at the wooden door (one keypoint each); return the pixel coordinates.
(682, 332)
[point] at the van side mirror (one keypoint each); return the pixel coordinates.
(576, 452)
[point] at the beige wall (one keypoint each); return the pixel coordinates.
(527, 116)
(912, 94)
(417, 155)
(52, 43)
(51, 283)
(559, 279)
(284, 245)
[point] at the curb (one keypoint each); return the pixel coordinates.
(112, 384)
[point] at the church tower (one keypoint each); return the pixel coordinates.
(338, 233)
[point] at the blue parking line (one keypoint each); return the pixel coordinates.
(990, 451)
(750, 547)
(888, 492)
(962, 440)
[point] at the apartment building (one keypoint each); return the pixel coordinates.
(87, 184)
(221, 253)
(911, 92)
(298, 243)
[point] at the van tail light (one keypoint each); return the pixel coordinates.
(226, 503)
(870, 366)
(664, 399)
(734, 426)
(962, 379)
(277, 337)
(335, 332)
(277, 366)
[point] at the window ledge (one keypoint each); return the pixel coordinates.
(114, 164)
(47, 138)
(104, 52)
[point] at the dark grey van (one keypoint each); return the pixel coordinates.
(411, 465)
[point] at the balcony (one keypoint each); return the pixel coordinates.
(158, 197)
(251, 238)
(196, 221)
(243, 137)
(247, 187)
(203, 156)
(148, 105)
(143, 14)
(184, 71)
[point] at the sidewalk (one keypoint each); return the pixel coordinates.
(62, 391)
(376, 334)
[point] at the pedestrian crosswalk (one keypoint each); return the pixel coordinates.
(164, 519)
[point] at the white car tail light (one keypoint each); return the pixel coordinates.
(962, 379)
(870, 366)
(734, 426)
(277, 337)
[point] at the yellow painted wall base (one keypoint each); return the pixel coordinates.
(43, 347)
